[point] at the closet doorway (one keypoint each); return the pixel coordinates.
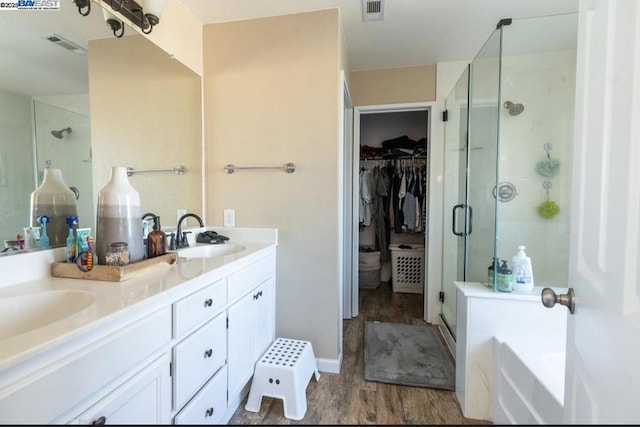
(390, 198)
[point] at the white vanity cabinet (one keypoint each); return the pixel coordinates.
(185, 358)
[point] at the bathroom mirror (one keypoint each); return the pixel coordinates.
(46, 107)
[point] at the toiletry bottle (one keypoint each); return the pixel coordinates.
(504, 278)
(522, 271)
(156, 240)
(72, 222)
(44, 237)
(491, 273)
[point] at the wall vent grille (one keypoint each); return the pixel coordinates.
(62, 42)
(372, 10)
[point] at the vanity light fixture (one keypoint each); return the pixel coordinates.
(145, 15)
(116, 25)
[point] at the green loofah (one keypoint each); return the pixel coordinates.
(548, 209)
(548, 167)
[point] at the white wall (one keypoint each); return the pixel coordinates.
(545, 84)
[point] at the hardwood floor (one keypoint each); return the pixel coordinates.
(346, 398)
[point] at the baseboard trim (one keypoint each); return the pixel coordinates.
(331, 366)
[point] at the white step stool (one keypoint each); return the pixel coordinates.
(283, 372)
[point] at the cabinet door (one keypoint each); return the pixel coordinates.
(263, 318)
(240, 361)
(143, 399)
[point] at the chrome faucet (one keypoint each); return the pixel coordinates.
(181, 236)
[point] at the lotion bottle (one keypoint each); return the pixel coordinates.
(156, 240)
(522, 271)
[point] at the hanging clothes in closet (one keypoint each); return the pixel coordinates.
(392, 197)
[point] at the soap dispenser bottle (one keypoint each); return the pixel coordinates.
(491, 272)
(522, 271)
(504, 278)
(156, 240)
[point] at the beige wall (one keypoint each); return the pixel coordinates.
(271, 97)
(393, 86)
(146, 114)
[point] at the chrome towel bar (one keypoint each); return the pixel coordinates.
(179, 170)
(288, 168)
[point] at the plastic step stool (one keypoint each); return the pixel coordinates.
(283, 372)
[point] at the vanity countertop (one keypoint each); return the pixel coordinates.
(116, 303)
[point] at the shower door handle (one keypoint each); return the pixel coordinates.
(453, 222)
(470, 220)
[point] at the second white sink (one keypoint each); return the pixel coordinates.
(28, 312)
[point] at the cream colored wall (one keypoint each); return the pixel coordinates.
(270, 97)
(146, 114)
(394, 86)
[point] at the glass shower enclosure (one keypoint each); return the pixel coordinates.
(508, 149)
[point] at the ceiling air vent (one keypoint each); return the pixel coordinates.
(372, 10)
(54, 38)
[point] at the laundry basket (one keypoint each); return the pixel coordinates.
(407, 268)
(369, 269)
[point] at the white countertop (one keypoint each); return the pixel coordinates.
(116, 303)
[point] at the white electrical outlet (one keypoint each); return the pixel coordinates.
(229, 218)
(179, 213)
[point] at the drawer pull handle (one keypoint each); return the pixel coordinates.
(209, 412)
(208, 353)
(100, 421)
(208, 303)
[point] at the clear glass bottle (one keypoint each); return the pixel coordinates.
(54, 199)
(118, 216)
(118, 254)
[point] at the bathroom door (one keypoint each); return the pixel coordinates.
(603, 336)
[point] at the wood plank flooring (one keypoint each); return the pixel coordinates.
(346, 398)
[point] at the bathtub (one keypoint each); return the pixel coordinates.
(529, 381)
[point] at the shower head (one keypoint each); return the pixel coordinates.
(514, 109)
(58, 133)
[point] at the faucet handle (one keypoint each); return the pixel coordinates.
(185, 241)
(172, 241)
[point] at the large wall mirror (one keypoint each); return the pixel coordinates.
(84, 113)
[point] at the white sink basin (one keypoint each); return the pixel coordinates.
(209, 251)
(26, 313)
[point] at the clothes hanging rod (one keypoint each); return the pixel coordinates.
(179, 170)
(288, 168)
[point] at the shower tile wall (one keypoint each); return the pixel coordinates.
(545, 84)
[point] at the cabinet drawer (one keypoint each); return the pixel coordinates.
(248, 278)
(198, 357)
(195, 309)
(209, 405)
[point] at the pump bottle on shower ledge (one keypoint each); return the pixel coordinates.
(522, 271)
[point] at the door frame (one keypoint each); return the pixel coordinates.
(430, 244)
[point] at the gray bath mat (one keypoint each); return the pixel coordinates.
(407, 355)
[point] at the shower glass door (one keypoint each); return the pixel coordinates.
(455, 190)
(471, 161)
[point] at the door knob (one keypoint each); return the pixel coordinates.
(550, 298)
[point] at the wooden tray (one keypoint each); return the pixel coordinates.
(111, 273)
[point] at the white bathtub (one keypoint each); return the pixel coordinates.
(529, 381)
